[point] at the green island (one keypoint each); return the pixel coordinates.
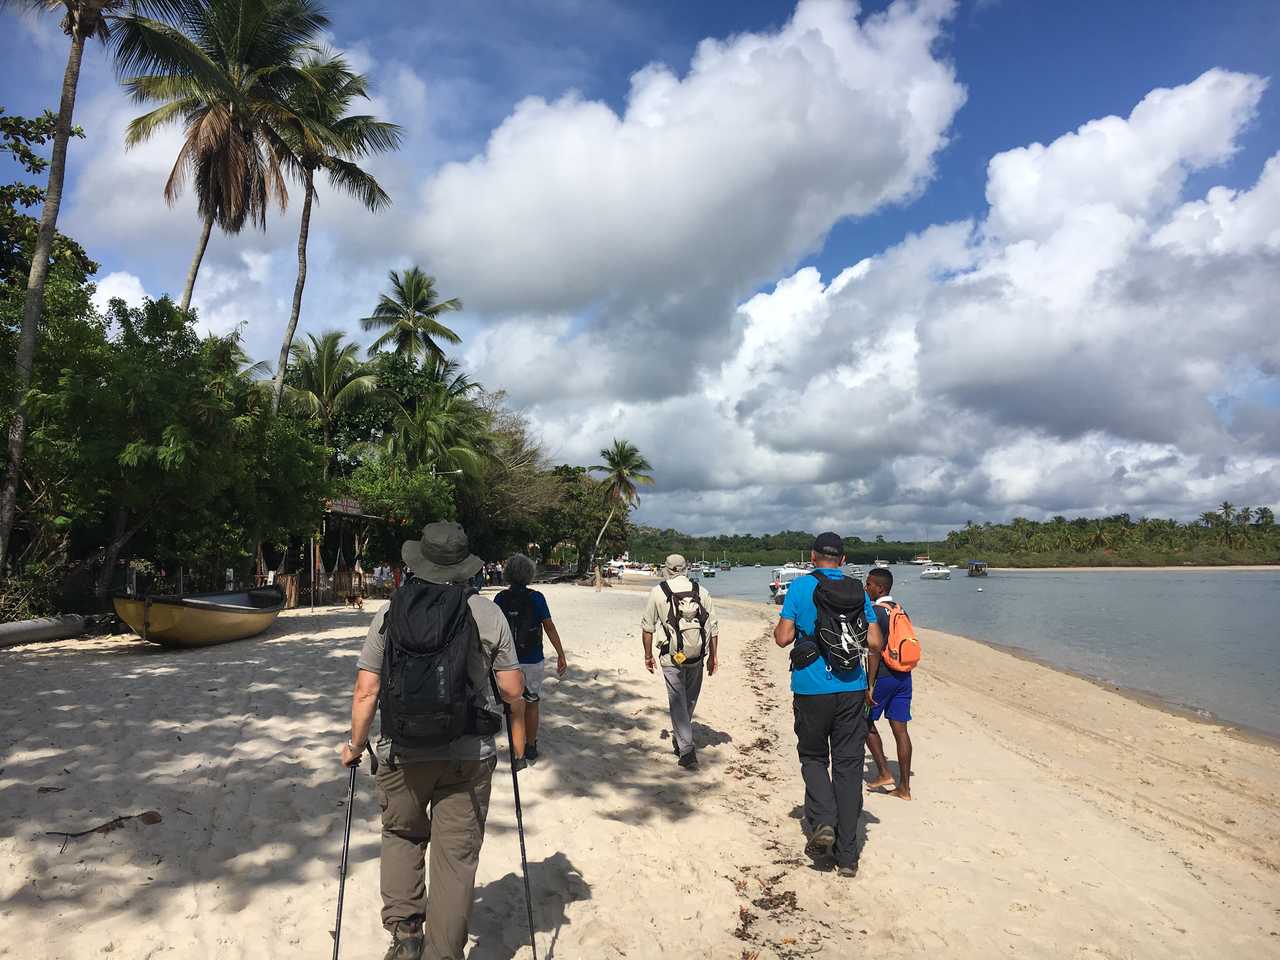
(1227, 536)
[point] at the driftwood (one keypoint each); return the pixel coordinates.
(147, 816)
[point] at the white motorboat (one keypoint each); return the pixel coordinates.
(782, 578)
(935, 571)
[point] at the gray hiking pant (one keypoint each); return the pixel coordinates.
(684, 683)
(436, 808)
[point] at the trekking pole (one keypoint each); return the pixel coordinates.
(524, 862)
(346, 843)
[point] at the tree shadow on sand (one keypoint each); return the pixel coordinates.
(236, 747)
(500, 925)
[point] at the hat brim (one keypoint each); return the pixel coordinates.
(425, 569)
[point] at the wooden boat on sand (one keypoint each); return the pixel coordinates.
(201, 619)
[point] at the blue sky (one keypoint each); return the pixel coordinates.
(575, 299)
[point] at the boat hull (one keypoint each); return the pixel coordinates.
(200, 621)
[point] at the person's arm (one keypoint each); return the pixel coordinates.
(784, 634)
(510, 687)
(648, 621)
(646, 637)
(713, 636)
(553, 635)
(875, 646)
(364, 703)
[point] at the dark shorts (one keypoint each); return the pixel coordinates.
(892, 697)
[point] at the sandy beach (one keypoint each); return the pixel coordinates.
(1053, 817)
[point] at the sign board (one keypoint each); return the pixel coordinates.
(345, 505)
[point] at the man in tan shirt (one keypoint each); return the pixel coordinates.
(682, 612)
(436, 796)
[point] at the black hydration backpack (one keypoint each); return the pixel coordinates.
(526, 628)
(426, 698)
(841, 628)
(685, 625)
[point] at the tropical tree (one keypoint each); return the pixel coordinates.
(227, 69)
(624, 470)
(328, 378)
(322, 136)
(445, 430)
(81, 19)
(409, 316)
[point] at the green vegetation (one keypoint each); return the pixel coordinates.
(1228, 535)
(771, 549)
(148, 446)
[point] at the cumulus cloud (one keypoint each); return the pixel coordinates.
(1091, 344)
(657, 220)
(119, 284)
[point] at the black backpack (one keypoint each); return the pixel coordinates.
(426, 698)
(675, 625)
(526, 628)
(841, 627)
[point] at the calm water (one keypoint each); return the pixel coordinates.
(1209, 641)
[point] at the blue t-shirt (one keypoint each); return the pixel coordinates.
(817, 677)
(541, 612)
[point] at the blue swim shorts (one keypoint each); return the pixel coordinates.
(892, 696)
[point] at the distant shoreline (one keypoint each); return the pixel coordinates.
(1197, 568)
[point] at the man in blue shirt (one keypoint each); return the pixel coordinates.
(830, 708)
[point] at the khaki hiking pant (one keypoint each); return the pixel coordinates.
(441, 804)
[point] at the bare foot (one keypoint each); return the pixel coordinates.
(884, 781)
(902, 793)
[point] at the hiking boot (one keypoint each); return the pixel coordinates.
(821, 841)
(848, 870)
(531, 752)
(689, 761)
(519, 763)
(407, 941)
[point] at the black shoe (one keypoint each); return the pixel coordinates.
(689, 760)
(407, 942)
(848, 870)
(821, 841)
(531, 752)
(519, 763)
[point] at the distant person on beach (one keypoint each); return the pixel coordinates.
(684, 613)
(892, 697)
(436, 740)
(529, 618)
(832, 624)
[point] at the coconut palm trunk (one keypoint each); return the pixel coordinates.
(303, 232)
(600, 536)
(195, 262)
(33, 307)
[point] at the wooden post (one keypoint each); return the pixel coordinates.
(313, 572)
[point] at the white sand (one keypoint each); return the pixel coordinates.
(1052, 818)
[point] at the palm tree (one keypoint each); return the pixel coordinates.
(410, 316)
(81, 20)
(444, 430)
(321, 135)
(227, 70)
(1227, 510)
(624, 470)
(330, 378)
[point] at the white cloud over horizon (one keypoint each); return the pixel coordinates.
(1094, 341)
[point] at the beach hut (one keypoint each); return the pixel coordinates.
(977, 568)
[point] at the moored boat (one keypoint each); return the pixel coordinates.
(935, 571)
(201, 619)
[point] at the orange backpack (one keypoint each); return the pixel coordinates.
(901, 648)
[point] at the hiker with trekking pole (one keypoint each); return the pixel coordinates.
(434, 665)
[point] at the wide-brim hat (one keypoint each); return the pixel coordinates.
(443, 555)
